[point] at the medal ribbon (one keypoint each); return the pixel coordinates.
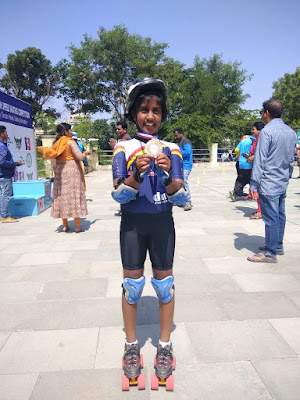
(146, 136)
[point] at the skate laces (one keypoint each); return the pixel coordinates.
(163, 356)
(132, 356)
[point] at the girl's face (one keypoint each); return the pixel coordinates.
(148, 116)
(69, 133)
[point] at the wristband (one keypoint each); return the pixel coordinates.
(169, 179)
(136, 175)
(119, 182)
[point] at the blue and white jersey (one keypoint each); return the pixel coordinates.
(152, 195)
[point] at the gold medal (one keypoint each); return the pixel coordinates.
(153, 147)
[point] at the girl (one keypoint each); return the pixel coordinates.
(148, 180)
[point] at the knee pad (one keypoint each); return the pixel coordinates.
(133, 289)
(164, 288)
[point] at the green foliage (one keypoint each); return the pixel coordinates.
(238, 123)
(46, 123)
(102, 69)
(213, 87)
(203, 100)
(40, 165)
(287, 90)
(203, 130)
(104, 132)
(99, 129)
(30, 77)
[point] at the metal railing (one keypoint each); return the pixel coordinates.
(199, 155)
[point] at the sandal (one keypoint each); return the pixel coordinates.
(262, 258)
(79, 229)
(65, 229)
(255, 216)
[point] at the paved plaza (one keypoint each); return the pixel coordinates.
(236, 331)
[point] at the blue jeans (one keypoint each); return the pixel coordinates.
(186, 173)
(5, 194)
(273, 214)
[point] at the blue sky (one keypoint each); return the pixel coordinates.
(264, 36)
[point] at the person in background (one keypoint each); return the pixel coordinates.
(69, 184)
(272, 170)
(82, 149)
(121, 131)
(186, 148)
(7, 171)
(297, 154)
(257, 127)
(244, 168)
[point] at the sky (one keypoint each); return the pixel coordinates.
(263, 36)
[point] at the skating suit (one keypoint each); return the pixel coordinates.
(152, 195)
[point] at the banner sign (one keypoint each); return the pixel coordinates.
(16, 116)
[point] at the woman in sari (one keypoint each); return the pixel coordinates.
(68, 200)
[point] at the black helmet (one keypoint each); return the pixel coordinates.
(146, 86)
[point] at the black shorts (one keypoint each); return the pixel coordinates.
(142, 232)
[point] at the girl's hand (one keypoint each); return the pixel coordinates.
(163, 161)
(143, 162)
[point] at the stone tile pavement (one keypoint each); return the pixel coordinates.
(236, 331)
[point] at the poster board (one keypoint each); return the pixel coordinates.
(16, 116)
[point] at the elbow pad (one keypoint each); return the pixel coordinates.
(178, 198)
(124, 194)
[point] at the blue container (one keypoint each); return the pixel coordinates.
(40, 187)
(23, 206)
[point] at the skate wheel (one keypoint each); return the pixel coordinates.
(125, 383)
(142, 361)
(122, 362)
(154, 382)
(174, 363)
(170, 383)
(141, 382)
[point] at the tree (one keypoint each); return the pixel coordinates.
(45, 122)
(287, 90)
(30, 76)
(99, 129)
(101, 70)
(213, 87)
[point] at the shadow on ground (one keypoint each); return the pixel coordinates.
(86, 224)
(148, 314)
(249, 242)
(246, 210)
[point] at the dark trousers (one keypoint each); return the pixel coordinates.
(241, 181)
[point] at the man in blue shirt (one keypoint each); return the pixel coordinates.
(187, 155)
(272, 169)
(244, 170)
(7, 171)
